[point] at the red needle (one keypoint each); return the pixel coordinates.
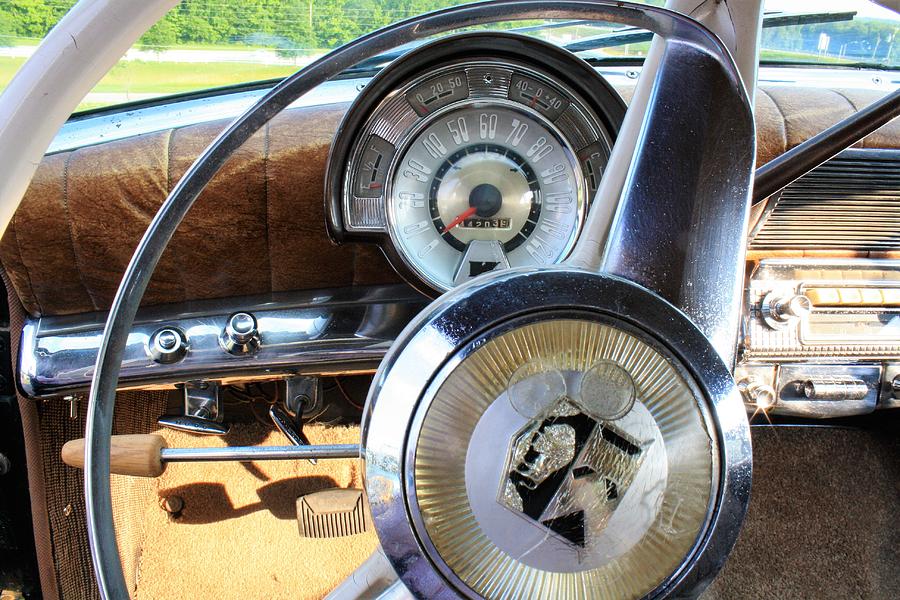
(462, 217)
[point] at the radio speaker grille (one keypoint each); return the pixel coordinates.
(852, 202)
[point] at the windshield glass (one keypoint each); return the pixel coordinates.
(204, 44)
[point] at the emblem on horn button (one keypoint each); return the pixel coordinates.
(571, 457)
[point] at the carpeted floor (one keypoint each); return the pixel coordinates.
(237, 536)
(824, 518)
(823, 522)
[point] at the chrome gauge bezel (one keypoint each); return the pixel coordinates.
(411, 136)
(588, 122)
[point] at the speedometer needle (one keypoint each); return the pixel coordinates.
(459, 219)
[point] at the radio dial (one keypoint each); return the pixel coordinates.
(781, 310)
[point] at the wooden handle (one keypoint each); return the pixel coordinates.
(135, 455)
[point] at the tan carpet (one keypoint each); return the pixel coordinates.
(823, 518)
(822, 522)
(237, 535)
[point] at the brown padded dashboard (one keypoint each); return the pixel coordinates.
(260, 225)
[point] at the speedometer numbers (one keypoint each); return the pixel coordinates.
(475, 166)
(481, 187)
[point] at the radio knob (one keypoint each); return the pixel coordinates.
(795, 307)
(779, 311)
(168, 345)
(241, 334)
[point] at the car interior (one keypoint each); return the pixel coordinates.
(576, 299)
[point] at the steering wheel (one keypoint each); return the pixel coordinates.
(571, 431)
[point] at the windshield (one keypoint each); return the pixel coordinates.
(204, 44)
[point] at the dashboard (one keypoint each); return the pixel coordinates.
(474, 153)
(470, 154)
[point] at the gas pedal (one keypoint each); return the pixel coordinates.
(337, 512)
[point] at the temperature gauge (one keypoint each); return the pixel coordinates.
(543, 98)
(593, 163)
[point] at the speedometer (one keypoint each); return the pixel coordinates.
(484, 186)
(461, 165)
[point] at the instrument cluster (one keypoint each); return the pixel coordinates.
(474, 153)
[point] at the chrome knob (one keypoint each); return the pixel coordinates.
(241, 334)
(168, 345)
(759, 394)
(895, 387)
(835, 389)
(780, 310)
(795, 307)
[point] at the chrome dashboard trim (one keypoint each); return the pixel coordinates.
(89, 130)
(315, 332)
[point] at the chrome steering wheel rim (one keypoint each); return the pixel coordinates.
(101, 533)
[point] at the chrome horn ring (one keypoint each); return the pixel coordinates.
(460, 325)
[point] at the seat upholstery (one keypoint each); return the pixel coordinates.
(259, 226)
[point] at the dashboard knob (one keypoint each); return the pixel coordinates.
(241, 334)
(759, 394)
(781, 310)
(168, 345)
(895, 387)
(795, 307)
(835, 389)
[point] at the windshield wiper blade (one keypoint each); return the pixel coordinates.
(633, 35)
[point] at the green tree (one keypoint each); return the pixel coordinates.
(161, 35)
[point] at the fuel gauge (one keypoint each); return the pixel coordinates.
(373, 166)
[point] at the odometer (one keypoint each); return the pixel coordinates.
(481, 186)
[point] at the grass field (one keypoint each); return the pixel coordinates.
(133, 80)
(169, 78)
(786, 56)
(136, 78)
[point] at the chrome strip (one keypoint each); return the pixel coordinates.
(254, 453)
(89, 129)
(317, 332)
